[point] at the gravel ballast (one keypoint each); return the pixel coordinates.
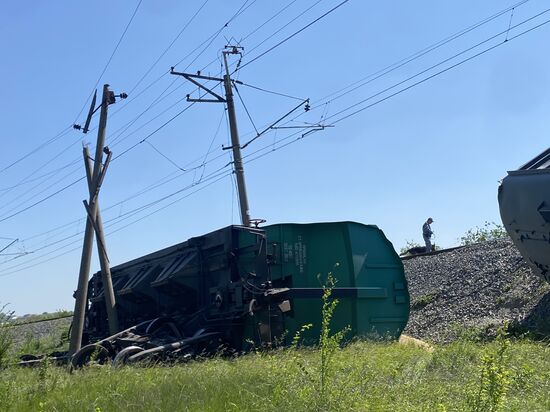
(49, 329)
(477, 287)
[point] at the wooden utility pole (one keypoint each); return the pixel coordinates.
(93, 223)
(235, 144)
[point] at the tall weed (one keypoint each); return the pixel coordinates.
(6, 337)
(328, 344)
(489, 395)
(313, 370)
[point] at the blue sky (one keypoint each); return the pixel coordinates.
(437, 149)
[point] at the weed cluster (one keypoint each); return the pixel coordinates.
(424, 300)
(314, 376)
(489, 394)
(6, 338)
(489, 231)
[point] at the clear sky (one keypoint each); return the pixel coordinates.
(437, 149)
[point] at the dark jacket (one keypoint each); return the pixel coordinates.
(427, 230)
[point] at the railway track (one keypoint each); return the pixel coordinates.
(435, 252)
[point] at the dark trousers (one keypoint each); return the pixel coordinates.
(428, 244)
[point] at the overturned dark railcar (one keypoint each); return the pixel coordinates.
(239, 287)
(524, 200)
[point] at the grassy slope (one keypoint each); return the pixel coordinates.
(363, 376)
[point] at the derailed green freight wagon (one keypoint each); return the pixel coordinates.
(242, 286)
(370, 283)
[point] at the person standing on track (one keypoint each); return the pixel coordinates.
(427, 234)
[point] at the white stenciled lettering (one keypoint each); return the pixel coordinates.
(300, 255)
(288, 254)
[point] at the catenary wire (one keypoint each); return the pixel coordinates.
(389, 69)
(164, 156)
(241, 10)
(378, 74)
(208, 41)
(468, 59)
(268, 20)
(109, 60)
(168, 47)
(40, 185)
(280, 29)
(155, 132)
(166, 179)
(36, 149)
(293, 35)
(9, 271)
(447, 60)
(394, 66)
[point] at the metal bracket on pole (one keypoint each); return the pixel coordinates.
(192, 77)
(272, 125)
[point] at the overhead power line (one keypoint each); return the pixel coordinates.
(146, 190)
(284, 26)
(394, 66)
(322, 102)
(36, 149)
(165, 157)
(135, 145)
(42, 200)
(271, 91)
(169, 46)
(109, 59)
(207, 42)
(293, 34)
(269, 20)
(214, 178)
(4, 218)
(438, 73)
(504, 41)
(40, 185)
(340, 93)
(69, 128)
(261, 152)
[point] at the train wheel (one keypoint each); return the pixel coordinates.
(89, 355)
(121, 357)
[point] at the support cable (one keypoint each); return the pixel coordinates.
(445, 61)
(168, 47)
(165, 157)
(293, 34)
(365, 108)
(109, 60)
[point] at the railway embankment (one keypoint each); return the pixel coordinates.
(474, 290)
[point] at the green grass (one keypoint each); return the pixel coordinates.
(424, 300)
(364, 376)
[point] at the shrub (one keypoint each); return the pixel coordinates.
(489, 231)
(6, 338)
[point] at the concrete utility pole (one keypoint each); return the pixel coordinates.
(235, 144)
(94, 223)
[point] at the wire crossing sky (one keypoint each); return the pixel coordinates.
(414, 110)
